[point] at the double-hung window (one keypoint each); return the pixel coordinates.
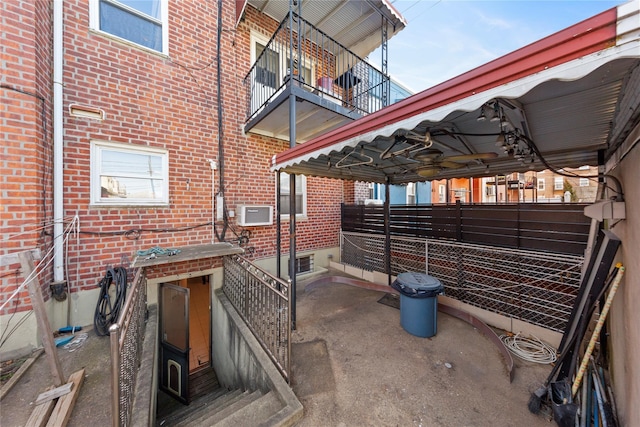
(143, 22)
(411, 193)
(558, 183)
(300, 195)
(128, 175)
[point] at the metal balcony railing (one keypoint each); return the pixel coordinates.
(299, 53)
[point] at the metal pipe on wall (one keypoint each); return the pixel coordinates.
(58, 144)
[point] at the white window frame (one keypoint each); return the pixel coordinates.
(283, 60)
(584, 182)
(558, 183)
(97, 147)
(94, 23)
(411, 193)
(541, 184)
(442, 193)
(285, 176)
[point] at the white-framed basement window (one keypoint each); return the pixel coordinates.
(300, 195)
(128, 175)
(142, 22)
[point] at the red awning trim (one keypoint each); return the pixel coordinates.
(568, 54)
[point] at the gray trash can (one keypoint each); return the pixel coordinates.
(418, 303)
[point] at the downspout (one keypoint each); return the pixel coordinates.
(58, 145)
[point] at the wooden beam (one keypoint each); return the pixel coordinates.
(35, 292)
(18, 374)
(61, 413)
(40, 415)
(8, 259)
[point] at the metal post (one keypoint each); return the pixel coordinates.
(278, 231)
(385, 57)
(387, 231)
(114, 336)
(292, 177)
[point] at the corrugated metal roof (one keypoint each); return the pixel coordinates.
(356, 24)
(560, 92)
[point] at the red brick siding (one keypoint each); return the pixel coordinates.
(148, 100)
(25, 123)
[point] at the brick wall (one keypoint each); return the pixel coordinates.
(25, 129)
(149, 100)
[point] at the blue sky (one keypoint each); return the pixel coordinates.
(445, 38)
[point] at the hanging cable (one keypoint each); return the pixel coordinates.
(108, 311)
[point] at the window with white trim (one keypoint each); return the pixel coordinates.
(300, 195)
(411, 193)
(128, 175)
(541, 184)
(584, 182)
(558, 183)
(442, 193)
(143, 22)
(274, 66)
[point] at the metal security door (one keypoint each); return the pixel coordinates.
(174, 341)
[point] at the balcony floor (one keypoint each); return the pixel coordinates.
(353, 364)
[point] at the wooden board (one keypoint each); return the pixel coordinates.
(41, 413)
(61, 413)
(54, 394)
(18, 374)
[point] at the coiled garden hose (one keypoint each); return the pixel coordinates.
(110, 304)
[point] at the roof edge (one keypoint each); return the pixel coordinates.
(586, 37)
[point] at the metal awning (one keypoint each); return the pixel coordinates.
(356, 24)
(554, 103)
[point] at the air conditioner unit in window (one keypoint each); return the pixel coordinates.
(250, 215)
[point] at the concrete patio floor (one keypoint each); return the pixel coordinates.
(353, 365)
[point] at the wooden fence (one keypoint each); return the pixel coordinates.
(559, 228)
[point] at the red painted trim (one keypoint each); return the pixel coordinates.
(589, 36)
(240, 6)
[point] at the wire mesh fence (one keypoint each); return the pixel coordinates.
(126, 349)
(536, 287)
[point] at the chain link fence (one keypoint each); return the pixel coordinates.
(536, 287)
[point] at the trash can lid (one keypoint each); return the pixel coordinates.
(419, 281)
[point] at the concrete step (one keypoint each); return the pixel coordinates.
(196, 416)
(203, 405)
(173, 410)
(255, 413)
(246, 399)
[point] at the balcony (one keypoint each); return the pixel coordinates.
(332, 85)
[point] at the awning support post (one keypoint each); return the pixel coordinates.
(387, 231)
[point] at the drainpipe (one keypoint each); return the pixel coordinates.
(58, 187)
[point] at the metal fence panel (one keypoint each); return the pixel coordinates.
(126, 349)
(536, 287)
(263, 301)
